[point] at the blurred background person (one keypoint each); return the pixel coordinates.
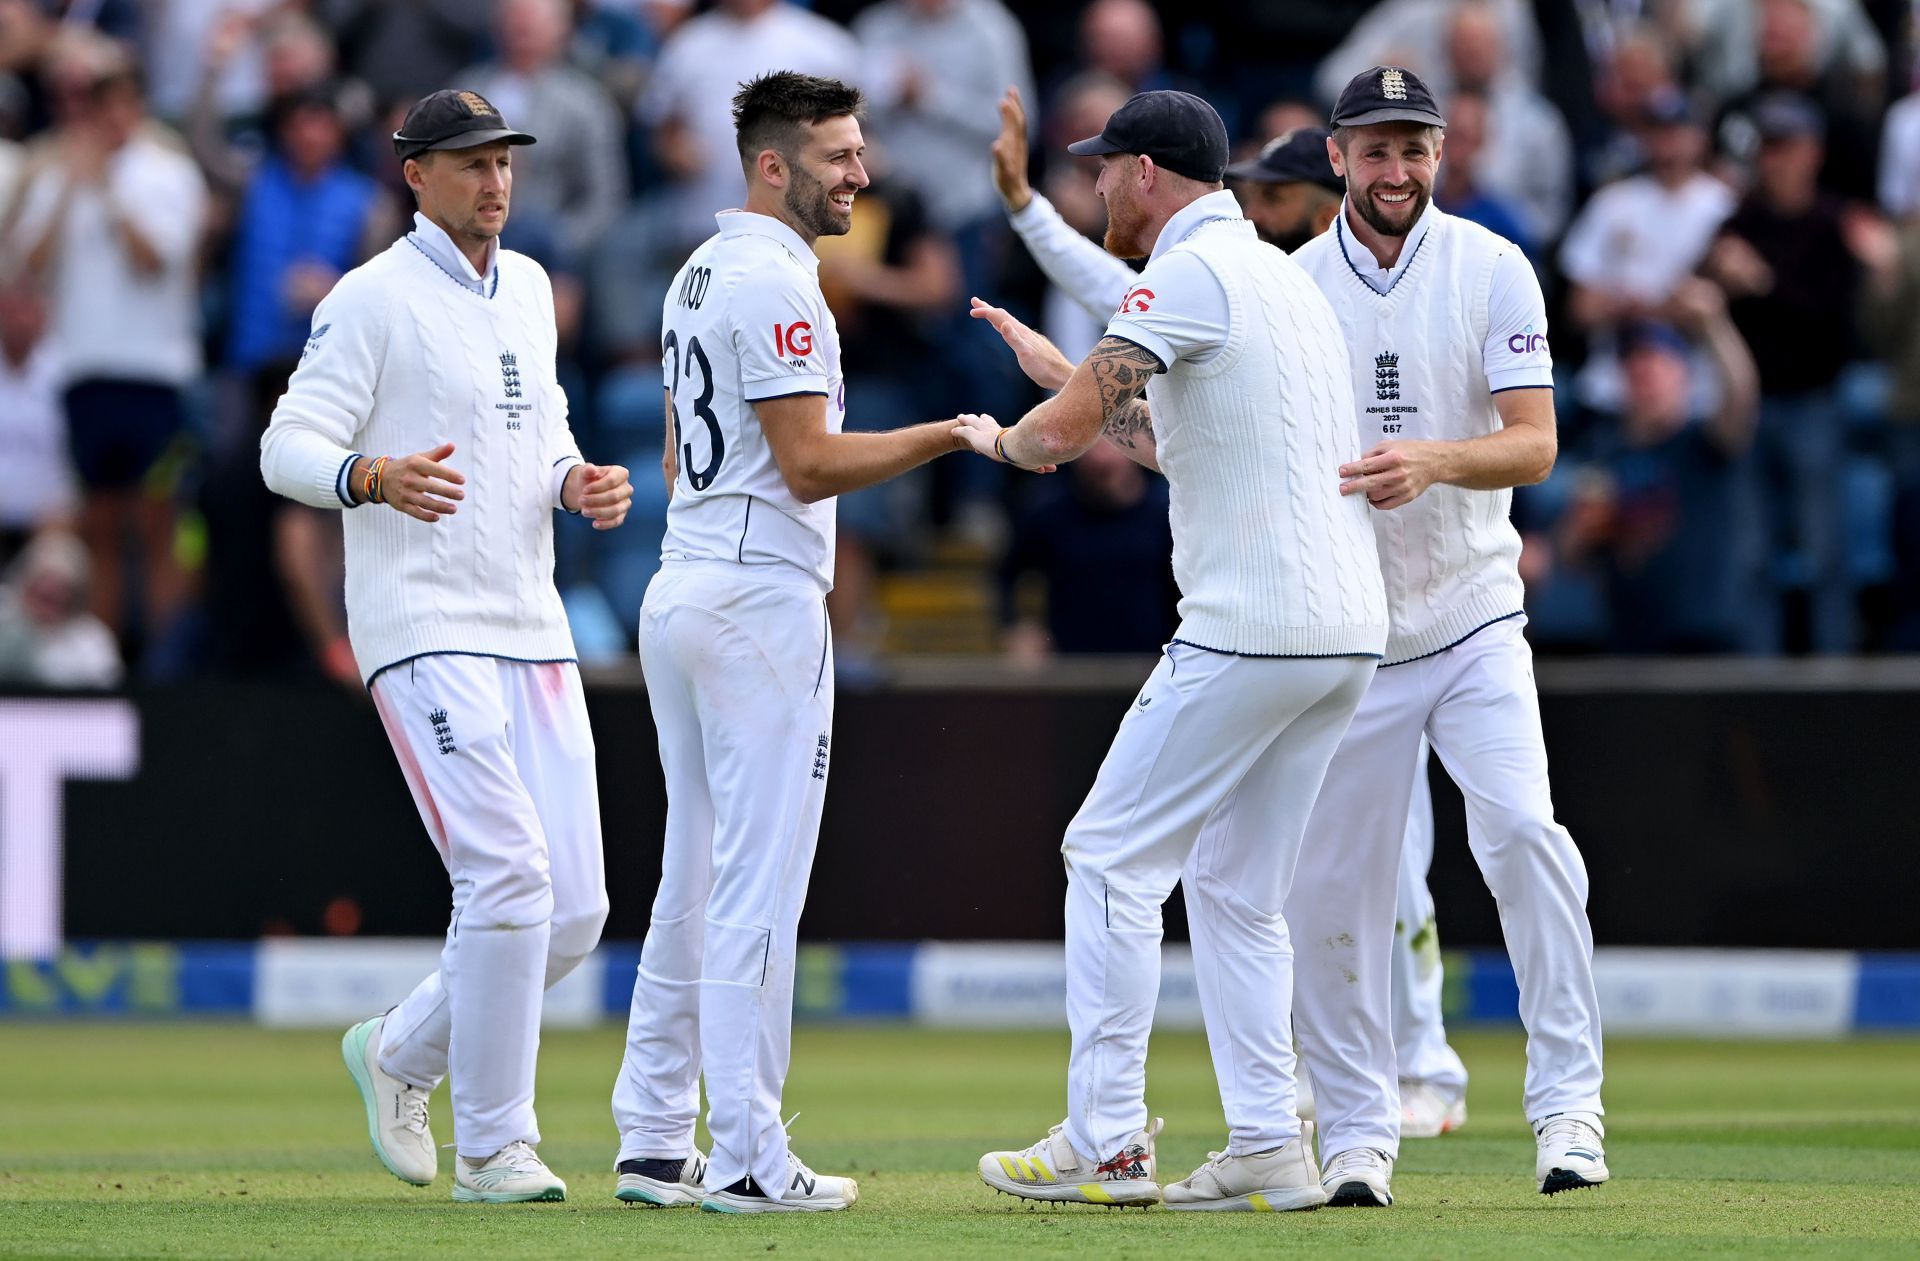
(1461, 188)
(405, 48)
(47, 636)
(112, 224)
(38, 490)
(1526, 159)
(1289, 191)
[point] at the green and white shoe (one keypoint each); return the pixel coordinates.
(1052, 1170)
(512, 1175)
(396, 1112)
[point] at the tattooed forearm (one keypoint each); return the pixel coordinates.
(1121, 369)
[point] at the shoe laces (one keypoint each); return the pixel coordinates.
(413, 1109)
(1353, 1160)
(1565, 1131)
(518, 1156)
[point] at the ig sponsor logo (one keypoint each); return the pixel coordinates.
(793, 339)
(1527, 341)
(1139, 298)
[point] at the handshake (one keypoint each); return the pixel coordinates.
(1040, 359)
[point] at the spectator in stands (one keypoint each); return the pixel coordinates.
(1785, 259)
(575, 180)
(36, 490)
(1637, 239)
(1684, 573)
(1788, 59)
(405, 48)
(1123, 38)
(1730, 43)
(297, 54)
(686, 103)
(47, 637)
(112, 224)
(1462, 189)
(891, 283)
(1638, 73)
(1100, 544)
(1892, 316)
(1526, 162)
(1415, 34)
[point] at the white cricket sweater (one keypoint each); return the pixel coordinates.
(1451, 557)
(410, 350)
(1271, 559)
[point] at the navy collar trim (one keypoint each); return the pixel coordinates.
(1340, 227)
(489, 294)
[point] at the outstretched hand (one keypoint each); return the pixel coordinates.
(1039, 358)
(1010, 153)
(980, 433)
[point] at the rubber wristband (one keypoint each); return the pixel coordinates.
(1000, 449)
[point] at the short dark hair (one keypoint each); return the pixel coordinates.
(773, 110)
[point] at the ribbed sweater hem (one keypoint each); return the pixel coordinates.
(1246, 639)
(377, 651)
(1481, 609)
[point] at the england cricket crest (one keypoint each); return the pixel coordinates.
(1393, 85)
(510, 374)
(1386, 376)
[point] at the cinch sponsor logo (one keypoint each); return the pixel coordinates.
(1526, 341)
(793, 339)
(1139, 298)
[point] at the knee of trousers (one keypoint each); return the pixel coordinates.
(673, 948)
(736, 954)
(1520, 848)
(576, 929)
(1234, 925)
(509, 895)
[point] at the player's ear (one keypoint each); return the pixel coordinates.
(772, 167)
(1336, 157)
(1148, 172)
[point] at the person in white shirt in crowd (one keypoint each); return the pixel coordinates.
(579, 185)
(427, 408)
(686, 105)
(33, 430)
(1448, 333)
(1248, 408)
(1528, 157)
(1291, 194)
(1724, 48)
(112, 226)
(47, 637)
(735, 643)
(1636, 240)
(1416, 33)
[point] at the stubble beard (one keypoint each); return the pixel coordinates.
(1370, 213)
(807, 203)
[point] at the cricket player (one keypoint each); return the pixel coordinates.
(1224, 369)
(427, 408)
(734, 641)
(1450, 361)
(1291, 194)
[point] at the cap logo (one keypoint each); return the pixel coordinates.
(1393, 85)
(475, 103)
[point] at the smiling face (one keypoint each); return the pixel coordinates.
(1389, 169)
(465, 191)
(824, 174)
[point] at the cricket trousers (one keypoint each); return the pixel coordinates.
(499, 758)
(1476, 704)
(1419, 1028)
(740, 677)
(1209, 782)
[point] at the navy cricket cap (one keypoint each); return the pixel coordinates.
(1653, 335)
(1788, 116)
(452, 119)
(1299, 157)
(1386, 94)
(1176, 129)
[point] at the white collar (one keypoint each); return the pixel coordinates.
(1361, 259)
(432, 240)
(1218, 205)
(753, 223)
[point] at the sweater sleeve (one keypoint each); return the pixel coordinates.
(307, 445)
(1088, 274)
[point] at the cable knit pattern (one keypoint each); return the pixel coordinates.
(402, 358)
(1270, 558)
(1451, 557)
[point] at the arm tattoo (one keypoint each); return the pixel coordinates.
(1121, 369)
(1130, 426)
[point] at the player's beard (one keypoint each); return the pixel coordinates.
(1292, 239)
(1123, 231)
(1370, 212)
(807, 203)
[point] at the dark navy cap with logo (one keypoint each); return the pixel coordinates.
(1386, 94)
(452, 119)
(1176, 129)
(1299, 157)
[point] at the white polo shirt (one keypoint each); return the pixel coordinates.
(1515, 353)
(1176, 307)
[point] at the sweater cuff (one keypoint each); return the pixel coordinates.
(340, 481)
(561, 467)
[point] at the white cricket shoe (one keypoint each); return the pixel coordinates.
(807, 1192)
(1426, 1111)
(663, 1183)
(1279, 1180)
(1571, 1155)
(1052, 1170)
(512, 1175)
(1358, 1178)
(396, 1112)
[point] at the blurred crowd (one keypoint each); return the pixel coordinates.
(1722, 198)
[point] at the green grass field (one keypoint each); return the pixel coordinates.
(218, 1140)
